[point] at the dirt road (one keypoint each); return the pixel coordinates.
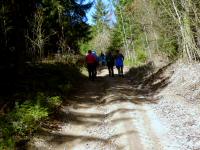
(105, 115)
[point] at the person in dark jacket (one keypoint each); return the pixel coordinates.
(110, 63)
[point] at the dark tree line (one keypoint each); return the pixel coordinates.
(32, 29)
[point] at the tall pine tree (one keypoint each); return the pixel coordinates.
(100, 17)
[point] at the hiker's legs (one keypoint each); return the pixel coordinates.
(89, 67)
(118, 69)
(93, 72)
(109, 70)
(112, 71)
(121, 71)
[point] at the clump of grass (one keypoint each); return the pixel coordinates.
(54, 101)
(25, 119)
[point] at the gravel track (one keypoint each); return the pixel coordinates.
(109, 115)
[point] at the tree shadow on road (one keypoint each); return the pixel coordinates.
(105, 92)
(83, 140)
(89, 119)
(148, 81)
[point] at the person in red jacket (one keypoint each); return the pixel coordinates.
(91, 61)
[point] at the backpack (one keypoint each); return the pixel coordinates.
(110, 60)
(119, 61)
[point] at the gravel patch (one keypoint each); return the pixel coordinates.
(178, 108)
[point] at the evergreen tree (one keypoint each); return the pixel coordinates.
(60, 20)
(100, 17)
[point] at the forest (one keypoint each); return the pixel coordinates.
(43, 45)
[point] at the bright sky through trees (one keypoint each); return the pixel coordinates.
(92, 10)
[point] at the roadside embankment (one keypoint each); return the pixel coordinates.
(178, 104)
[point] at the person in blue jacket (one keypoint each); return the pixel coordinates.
(119, 63)
(102, 59)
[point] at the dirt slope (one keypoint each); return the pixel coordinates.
(178, 107)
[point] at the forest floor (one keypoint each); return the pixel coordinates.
(127, 114)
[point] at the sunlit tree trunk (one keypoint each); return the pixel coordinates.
(124, 33)
(181, 11)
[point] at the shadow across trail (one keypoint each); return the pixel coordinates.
(98, 114)
(148, 80)
(58, 139)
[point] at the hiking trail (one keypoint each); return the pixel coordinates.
(106, 114)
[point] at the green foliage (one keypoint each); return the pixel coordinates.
(169, 47)
(20, 123)
(44, 27)
(6, 140)
(141, 56)
(40, 28)
(145, 28)
(26, 116)
(116, 39)
(100, 17)
(84, 47)
(54, 101)
(100, 31)
(46, 83)
(140, 59)
(181, 26)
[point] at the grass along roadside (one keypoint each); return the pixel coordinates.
(34, 97)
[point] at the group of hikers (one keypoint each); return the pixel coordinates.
(110, 60)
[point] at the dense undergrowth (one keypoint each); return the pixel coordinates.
(34, 96)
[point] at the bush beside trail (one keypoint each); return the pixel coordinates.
(34, 97)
